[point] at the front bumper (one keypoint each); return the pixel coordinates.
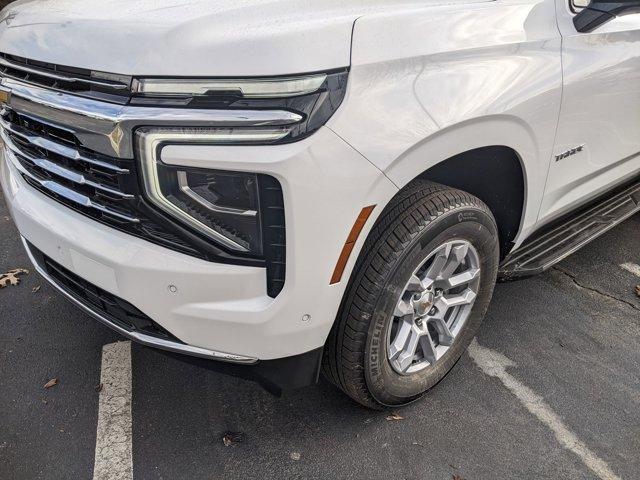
(274, 375)
(217, 310)
(169, 344)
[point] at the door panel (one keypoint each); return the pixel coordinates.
(598, 137)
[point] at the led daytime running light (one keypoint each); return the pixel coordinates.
(247, 88)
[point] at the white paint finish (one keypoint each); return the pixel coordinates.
(495, 364)
(225, 307)
(113, 457)
(425, 86)
(428, 80)
(631, 268)
(97, 273)
(600, 109)
(198, 37)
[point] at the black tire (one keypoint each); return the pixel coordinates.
(421, 217)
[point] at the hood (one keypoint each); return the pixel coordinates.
(190, 37)
(186, 37)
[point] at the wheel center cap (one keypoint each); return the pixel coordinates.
(423, 303)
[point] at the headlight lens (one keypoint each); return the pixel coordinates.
(315, 97)
(224, 206)
(229, 207)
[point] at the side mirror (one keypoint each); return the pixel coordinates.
(601, 11)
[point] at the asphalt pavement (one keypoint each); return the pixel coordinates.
(571, 335)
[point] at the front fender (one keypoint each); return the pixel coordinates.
(429, 84)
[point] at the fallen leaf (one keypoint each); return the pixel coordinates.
(232, 438)
(295, 456)
(11, 277)
(638, 290)
(455, 476)
(51, 383)
(99, 387)
(394, 416)
(35, 289)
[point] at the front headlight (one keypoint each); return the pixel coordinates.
(313, 98)
(239, 213)
(226, 207)
(222, 205)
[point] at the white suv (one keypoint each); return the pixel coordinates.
(290, 187)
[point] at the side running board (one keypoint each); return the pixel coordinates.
(542, 251)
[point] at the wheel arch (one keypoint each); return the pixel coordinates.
(491, 158)
(494, 175)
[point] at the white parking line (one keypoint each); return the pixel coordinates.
(494, 364)
(113, 458)
(632, 267)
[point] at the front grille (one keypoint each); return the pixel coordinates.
(79, 81)
(101, 187)
(52, 160)
(112, 308)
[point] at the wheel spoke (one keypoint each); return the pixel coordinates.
(403, 308)
(449, 301)
(405, 358)
(415, 284)
(438, 263)
(402, 337)
(455, 258)
(428, 348)
(459, 279)
(445, 336)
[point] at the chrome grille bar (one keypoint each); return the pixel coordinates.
(65, 151)
(58, 170)
(107, 128)
(65, 192)
(61, 78)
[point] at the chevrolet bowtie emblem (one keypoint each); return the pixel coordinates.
(5, 96)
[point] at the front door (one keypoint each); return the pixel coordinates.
(598, 138)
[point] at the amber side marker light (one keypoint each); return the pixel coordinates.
(358, 225)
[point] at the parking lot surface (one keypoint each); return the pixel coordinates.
(566, 405)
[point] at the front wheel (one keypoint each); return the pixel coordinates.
(416, 298)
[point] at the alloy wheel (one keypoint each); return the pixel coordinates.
(433, 307)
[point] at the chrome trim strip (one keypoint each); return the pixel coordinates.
(63, 191)
(58, 170)
(63, 78)
(108, 128)
(59, 149)
(141, 338)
